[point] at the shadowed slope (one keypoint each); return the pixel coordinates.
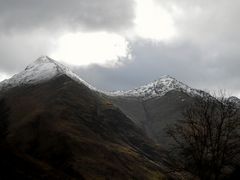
(70, 128)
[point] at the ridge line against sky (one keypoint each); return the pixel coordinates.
(116, 44)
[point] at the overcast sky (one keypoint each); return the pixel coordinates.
(122, 44)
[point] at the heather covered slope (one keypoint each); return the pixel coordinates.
(158, 105)
(66, 127)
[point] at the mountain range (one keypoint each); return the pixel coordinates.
(60, 127)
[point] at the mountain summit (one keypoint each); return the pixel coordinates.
(41, 70)
(158, 88)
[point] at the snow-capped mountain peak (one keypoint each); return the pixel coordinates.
(42, 69)
(235, 100)
(158, 88)
(45, 68)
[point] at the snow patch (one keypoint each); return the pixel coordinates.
(157, 88)
(43, 69)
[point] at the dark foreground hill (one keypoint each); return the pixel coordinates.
(61, 129)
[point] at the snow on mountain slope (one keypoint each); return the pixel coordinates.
(43, 69)
(158, 88)
(234, 99)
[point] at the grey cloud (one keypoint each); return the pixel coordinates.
(150, 61)
(28, 28)
(206, 22)
(183, 60)
(18, 50)
(55, 14)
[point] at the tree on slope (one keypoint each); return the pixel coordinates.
(206, 141)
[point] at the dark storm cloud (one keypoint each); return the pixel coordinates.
(88, 14)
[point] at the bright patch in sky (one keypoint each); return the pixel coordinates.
(153, 21)
(3, 77)
(87, 48)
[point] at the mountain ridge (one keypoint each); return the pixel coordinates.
(45, 68)
(158, 88)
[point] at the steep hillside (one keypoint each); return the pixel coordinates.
(62, 128)
(156, 105)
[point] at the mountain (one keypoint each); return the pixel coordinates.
(150, 107)
(156, 105)
(41, 70)
(57, 126)
(158, 88)
(54, 125)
